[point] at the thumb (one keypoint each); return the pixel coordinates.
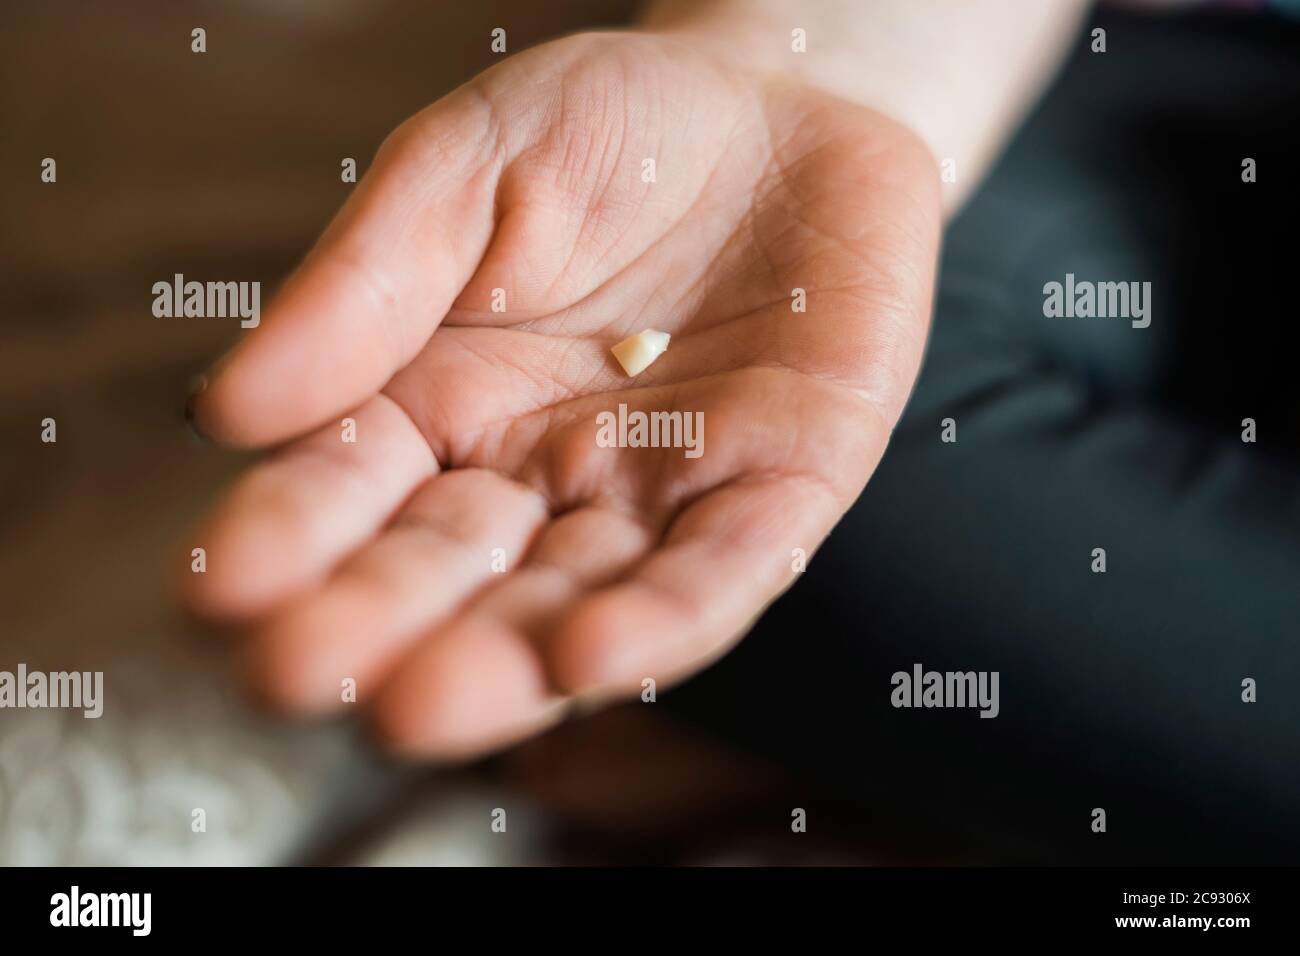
(372, 291)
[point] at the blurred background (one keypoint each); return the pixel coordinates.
(226, 166)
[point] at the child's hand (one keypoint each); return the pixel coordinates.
(475, 429)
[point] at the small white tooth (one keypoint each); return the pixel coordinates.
(636, 352)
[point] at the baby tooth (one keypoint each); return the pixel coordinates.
(636, 352)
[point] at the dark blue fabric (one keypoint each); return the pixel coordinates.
(1119, 690)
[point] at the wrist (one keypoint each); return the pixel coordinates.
(958, 75)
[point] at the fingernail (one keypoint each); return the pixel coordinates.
(197, 387)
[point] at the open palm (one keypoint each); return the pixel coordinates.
(475, 556)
